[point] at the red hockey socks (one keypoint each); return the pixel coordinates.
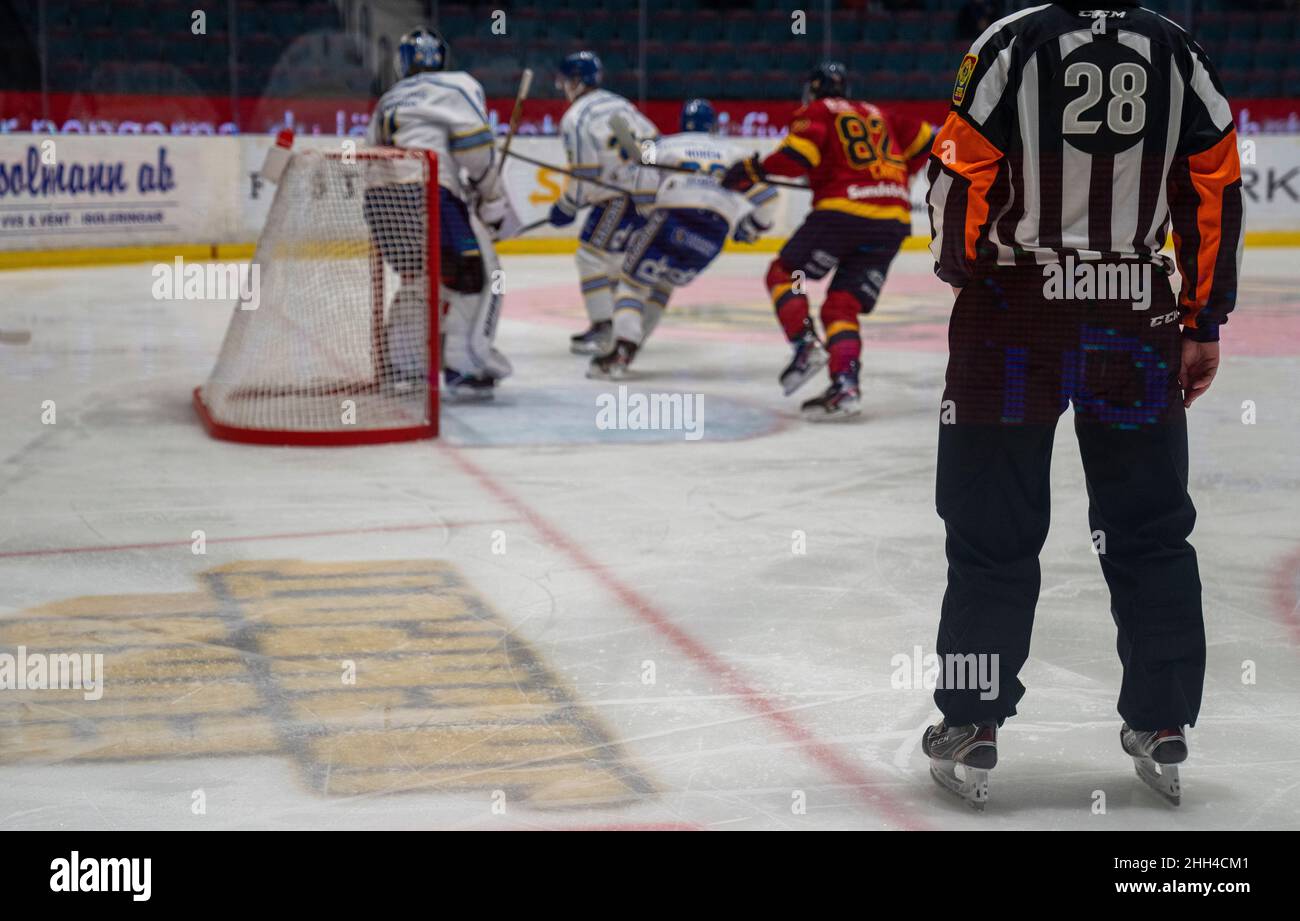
(791, 308)
(840, 320)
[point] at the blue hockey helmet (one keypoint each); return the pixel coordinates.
(698, 115)
(582, 66)
(829, 78)
(420, 50)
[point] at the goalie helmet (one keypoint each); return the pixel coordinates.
(829, 78)
(698, 115)
(421, 50)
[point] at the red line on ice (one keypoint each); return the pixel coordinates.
(1286, 593)
(288, 535)
(842, 769)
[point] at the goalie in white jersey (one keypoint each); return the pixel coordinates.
(688, 223)
(592, 154)
(431, 108)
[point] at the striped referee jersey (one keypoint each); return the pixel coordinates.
(1090, 133)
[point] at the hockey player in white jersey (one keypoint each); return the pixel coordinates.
(685, 230)
(591, 152)
(432, 108)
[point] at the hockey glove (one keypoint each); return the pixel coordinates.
(748, 230)
(492, 212)
(559, 217)
(744, 174)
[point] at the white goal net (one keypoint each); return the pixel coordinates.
(339, 343)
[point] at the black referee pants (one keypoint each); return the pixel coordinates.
(1017, 358)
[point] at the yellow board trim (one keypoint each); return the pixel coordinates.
(537, 246)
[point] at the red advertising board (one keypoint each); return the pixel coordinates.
(121, 113)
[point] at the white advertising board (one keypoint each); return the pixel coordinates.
(75, 191)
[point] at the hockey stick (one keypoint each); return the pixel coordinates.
(516, 114)
(570, 173)
(533, 226)
(631, 148)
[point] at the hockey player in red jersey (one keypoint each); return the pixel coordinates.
(858, 160)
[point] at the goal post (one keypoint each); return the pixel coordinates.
(338, 342)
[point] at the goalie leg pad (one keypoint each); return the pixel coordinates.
(460, 247)
(406, 334)
(470, 321)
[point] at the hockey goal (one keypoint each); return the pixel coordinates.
(340, 343)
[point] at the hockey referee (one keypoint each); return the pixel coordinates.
(1079, 137)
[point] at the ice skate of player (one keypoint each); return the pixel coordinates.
(842, 399)
(595, 340)
(961, 758)
(809, 358)
(468, 387)
(614, 366)
(1156, 755)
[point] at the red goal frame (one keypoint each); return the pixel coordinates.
(433, 271)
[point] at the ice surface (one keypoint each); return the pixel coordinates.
(648, 650)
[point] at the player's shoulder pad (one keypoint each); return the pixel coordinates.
(580, 105)
(808, 113)
(455, 89)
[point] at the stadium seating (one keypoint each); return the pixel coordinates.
(724, 49)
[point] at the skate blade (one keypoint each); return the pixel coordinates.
(792, 383)
(588, 348)
(973, 788)
(614, 374)
(466, 395)
(843, 414)
(1163, 780)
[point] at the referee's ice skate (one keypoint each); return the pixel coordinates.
(1156, 756)
(961, 758)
